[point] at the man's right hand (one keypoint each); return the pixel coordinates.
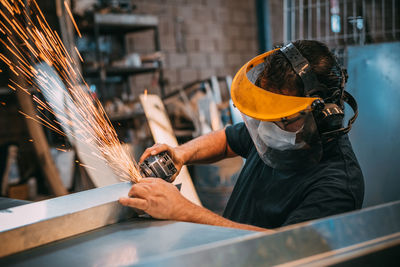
(175, 153)
(208, 148)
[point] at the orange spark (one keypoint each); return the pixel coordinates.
(72, 18)
(86, 166)
(79, 54)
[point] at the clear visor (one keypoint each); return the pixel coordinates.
(277, 140)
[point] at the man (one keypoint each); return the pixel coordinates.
(299, 161)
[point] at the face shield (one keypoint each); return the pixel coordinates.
(283, 128)
(288, 145)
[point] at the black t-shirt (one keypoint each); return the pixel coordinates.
(270, 198)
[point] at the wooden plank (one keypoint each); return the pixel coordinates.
(163, 133)
(41, 146)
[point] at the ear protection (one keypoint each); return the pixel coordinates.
(328, 110)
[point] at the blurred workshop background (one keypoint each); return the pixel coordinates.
(186, 53)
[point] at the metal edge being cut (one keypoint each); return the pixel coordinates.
(327, 241)
(40, 223)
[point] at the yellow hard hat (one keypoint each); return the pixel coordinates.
(261, 104)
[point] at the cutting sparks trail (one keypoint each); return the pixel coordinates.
(30, 42)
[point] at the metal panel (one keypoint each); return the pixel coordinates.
(367, 227)
(125, 243)
(375, 82)
(351, 253)
(46, 221)
(163, 243)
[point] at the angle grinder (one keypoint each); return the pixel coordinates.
(160, 166)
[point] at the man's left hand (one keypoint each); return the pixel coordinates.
(157, 198)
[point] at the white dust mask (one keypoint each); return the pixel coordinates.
(273, 136)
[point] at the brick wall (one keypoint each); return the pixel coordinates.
(217, 37)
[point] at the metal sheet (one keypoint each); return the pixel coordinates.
(42, 222)
(375, 83)
(125, 243)
(368, 226)
(164, 243)
(347, 254)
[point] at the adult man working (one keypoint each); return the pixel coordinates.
(299, 161)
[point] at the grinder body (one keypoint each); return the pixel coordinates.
(160, 166)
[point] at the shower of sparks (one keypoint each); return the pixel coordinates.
(31, 42)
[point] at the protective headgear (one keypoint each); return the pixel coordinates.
(288, 130)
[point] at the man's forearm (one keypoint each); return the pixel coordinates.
(197, 214)
(162, 200)
(208, 148)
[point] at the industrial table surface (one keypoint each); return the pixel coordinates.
(91, 228)
(124, 243)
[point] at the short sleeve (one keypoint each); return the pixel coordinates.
(239, 139)
(322, 201)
